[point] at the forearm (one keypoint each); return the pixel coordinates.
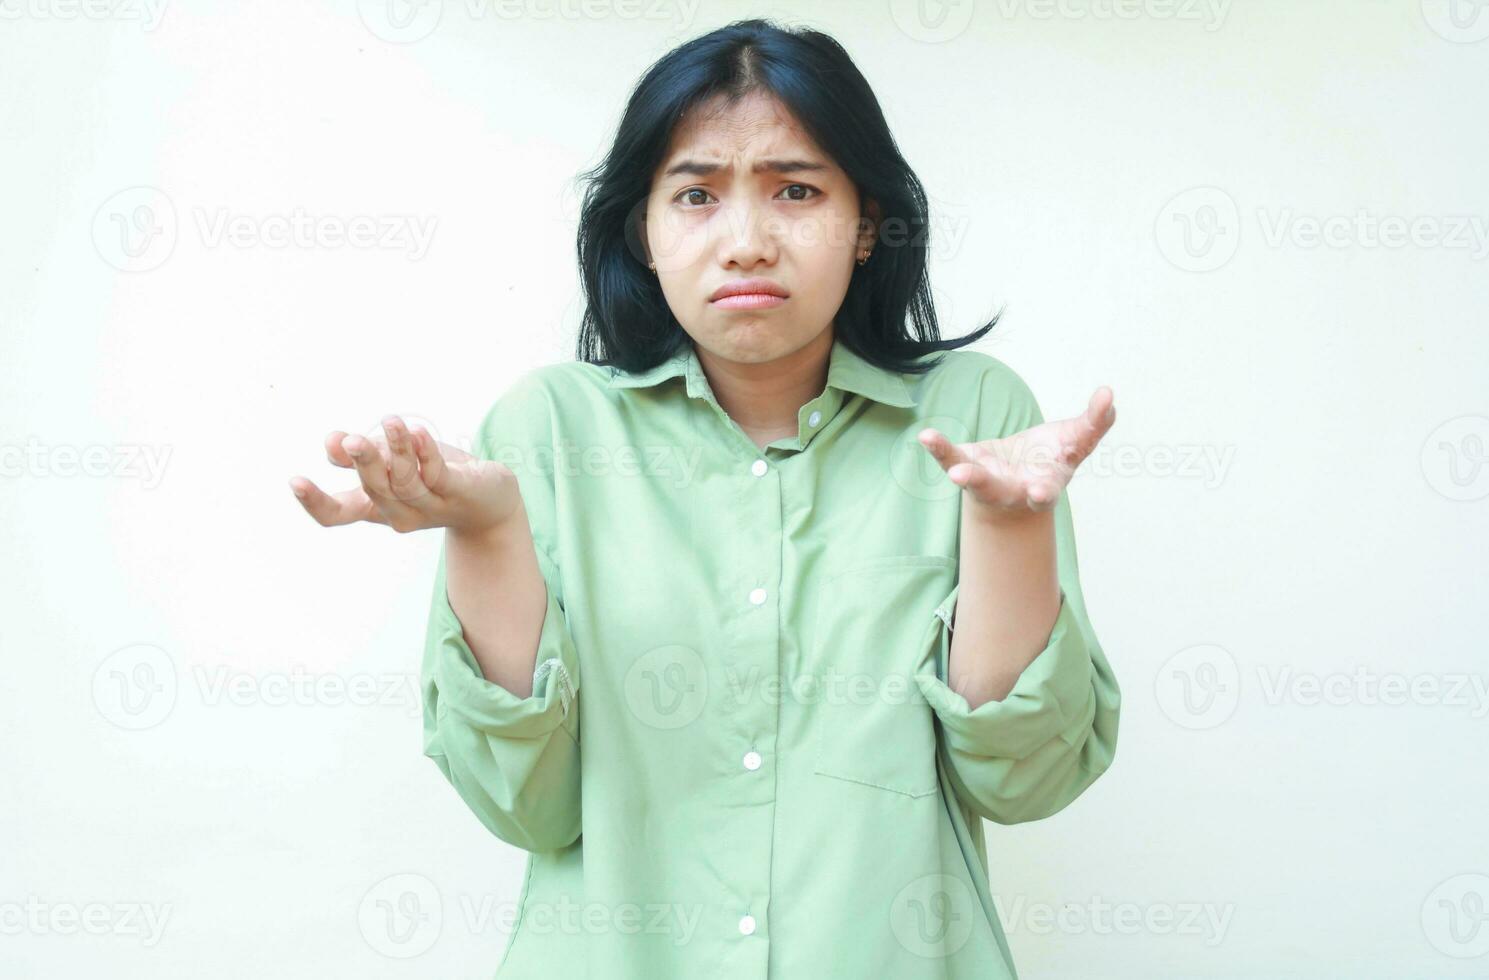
(499, 596)
(1007, 601)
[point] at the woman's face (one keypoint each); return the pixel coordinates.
(746, 194)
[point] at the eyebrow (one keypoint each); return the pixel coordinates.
(702, 168)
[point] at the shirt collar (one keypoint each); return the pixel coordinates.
(846, 371)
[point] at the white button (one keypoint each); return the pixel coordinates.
(814, 418)
(758, 467)
(752, 760)
(747, 924)
(757, 596)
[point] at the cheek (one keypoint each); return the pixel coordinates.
(677, 241)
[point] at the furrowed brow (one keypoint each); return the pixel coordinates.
(704, 168)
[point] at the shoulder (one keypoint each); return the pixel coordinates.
(528, 408)
(981, 389)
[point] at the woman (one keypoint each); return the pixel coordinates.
(788, 728)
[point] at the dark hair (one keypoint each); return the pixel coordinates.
(627, 322)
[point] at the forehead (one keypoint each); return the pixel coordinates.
(757, 125)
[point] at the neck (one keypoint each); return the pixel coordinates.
(763, 399)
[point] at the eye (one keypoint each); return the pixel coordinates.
(692, 190)
(805, 187)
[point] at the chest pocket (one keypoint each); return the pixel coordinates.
(872, 619)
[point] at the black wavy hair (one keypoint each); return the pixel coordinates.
(887, 316)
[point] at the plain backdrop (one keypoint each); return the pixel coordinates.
(1265, 223)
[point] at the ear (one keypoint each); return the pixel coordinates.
(868, 224)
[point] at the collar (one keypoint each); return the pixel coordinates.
(846, 371)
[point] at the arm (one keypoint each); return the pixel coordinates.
(1026, 702)
(500, 678)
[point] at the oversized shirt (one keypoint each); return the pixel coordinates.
(741, 759)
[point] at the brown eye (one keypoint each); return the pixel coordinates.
(804, 187)
(685, 196)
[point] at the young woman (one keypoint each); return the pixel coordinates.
(815, 565)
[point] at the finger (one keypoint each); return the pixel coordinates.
(432, 468)
(403, 465)
(335, 453)
(331, 510)
(1042, 496)
(979, 480)
(941, 448)
(1079, 435)
(371, 465)
(1101, 412)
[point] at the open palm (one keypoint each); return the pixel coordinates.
(1024, 472)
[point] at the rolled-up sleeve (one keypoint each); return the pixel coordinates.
(1029, 755)
(513, 760)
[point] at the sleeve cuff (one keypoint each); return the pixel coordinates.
(1051, 698)
(489, 707)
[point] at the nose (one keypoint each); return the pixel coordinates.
(748, 235)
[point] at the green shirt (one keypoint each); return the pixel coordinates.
(741, 759)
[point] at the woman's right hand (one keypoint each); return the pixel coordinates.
(411, 482)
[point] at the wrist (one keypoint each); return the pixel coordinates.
(1006, 518)
(504, 532)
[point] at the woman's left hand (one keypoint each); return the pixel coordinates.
(1023, 473)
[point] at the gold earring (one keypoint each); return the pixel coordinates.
(863, 257)
(652, 266)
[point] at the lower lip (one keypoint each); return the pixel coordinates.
(749, 301)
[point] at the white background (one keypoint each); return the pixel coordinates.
(1293, 506)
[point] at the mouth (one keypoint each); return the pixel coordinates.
(749, 301)
(749, 294)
